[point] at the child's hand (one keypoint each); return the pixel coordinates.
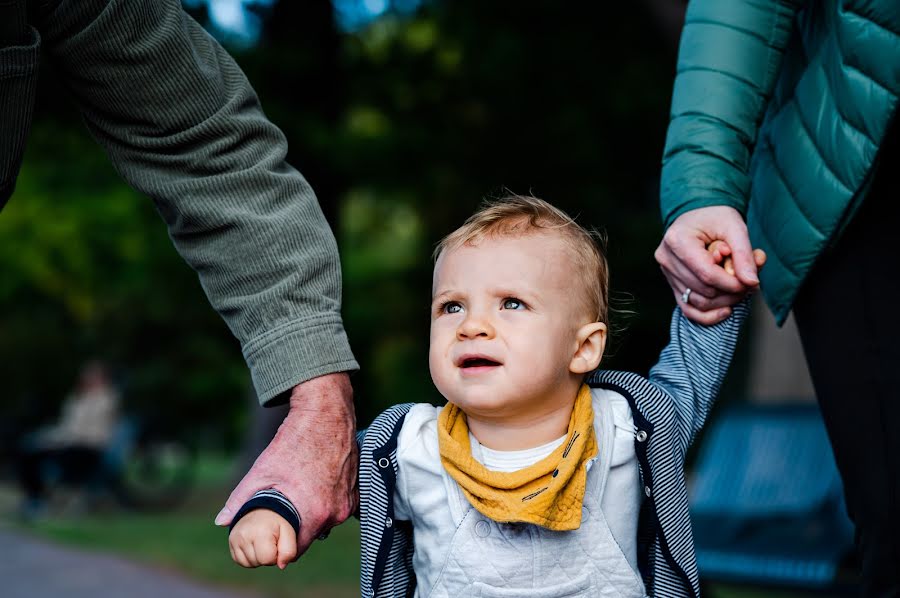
(721, 254)
(263, 537)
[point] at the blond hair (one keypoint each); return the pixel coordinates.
(520, 215)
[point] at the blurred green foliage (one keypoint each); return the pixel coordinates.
(402, 128)
(89, 271)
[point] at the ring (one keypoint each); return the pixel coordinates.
(323, 535)
(686, 296)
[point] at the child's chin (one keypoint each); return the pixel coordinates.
(486, 405)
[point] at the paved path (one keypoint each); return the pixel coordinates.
(32, 568)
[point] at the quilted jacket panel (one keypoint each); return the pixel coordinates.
(778, 110)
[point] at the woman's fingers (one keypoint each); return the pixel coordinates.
(706, 318)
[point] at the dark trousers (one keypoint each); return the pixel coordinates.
(70, 465)
(848, 315)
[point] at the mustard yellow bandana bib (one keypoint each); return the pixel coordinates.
(548, 493)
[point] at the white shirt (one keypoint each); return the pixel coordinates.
(420, 479)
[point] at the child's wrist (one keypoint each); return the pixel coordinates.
(272, 501)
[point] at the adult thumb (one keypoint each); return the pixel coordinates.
(742, 256)
(240, 495)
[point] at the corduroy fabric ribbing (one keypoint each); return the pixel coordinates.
(182, 124)
(20, 47)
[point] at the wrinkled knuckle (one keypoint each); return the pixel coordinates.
(659, 255)
(670, 240)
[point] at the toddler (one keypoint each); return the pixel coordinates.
(542, 476)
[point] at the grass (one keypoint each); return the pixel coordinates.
(190, 544)
(186, 541)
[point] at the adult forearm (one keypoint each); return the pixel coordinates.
(182, 124)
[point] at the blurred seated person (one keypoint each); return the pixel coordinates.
(71, 450)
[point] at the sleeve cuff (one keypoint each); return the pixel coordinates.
(272, 500)
(295, 353)
(21, 61)
(694, 204)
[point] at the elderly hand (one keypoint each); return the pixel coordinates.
(312, 460)
(687, 264)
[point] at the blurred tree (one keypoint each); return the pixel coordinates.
(89, 271)
(465, 99)
(402, 127)
(296, 72)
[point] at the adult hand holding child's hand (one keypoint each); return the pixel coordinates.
(687, 262)
(312, 460)
(721, 254)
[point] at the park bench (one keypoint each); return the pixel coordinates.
(767, 502)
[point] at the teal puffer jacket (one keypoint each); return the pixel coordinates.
(778, 110)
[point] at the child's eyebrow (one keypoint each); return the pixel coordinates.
(441, 295)
(521, 293)
(508, 292)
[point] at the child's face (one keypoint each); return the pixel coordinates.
(504, 327)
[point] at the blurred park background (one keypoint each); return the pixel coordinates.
(403, 115)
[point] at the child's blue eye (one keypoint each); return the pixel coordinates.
(452, 307)
(512, 304)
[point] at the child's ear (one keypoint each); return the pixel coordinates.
(590, 343)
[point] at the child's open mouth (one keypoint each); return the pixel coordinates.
(477, 363)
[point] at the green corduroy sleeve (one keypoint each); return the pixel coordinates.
(20, 50)
(730, 55)
(182, 124)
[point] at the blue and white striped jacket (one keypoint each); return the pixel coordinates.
(668, 408)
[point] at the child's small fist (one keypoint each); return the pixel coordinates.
(263, 537)
(721, 254)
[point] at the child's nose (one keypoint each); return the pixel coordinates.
(474, 326)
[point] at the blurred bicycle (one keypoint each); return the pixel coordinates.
(146, 469)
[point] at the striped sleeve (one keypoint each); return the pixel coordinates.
(694, 363)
